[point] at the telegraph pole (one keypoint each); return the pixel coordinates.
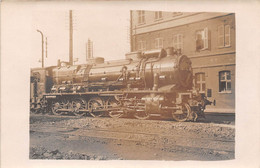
(71, 39)
(131, 27)
(42, 48)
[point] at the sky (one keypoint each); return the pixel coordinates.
(107, 28)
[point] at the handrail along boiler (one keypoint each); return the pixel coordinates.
(151, 83)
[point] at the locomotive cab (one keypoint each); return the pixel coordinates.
(40, 84)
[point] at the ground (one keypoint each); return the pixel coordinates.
(68, 137)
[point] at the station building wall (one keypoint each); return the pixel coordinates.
(213, 64)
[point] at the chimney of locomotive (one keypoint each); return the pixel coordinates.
(170, 51)
(58, 63)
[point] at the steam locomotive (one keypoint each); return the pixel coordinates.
(145, 84)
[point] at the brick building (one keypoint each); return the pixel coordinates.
(208, 39)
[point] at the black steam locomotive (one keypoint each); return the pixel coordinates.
(145, 84)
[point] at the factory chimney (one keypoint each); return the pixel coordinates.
(89, 49)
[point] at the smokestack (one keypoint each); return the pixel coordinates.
(71, 40)
(58, 63)
(89, 49)
(86, 51)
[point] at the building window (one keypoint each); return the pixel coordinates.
(158, 43)
(200, 82)
(142, 45)
(158, 15)
(141, 17)
(202, 40)
(174, 14)
(178, 41)
(224, 36)
(225, 81)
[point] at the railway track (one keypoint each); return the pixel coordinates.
(202, 138)
(217, 118)
(168, 140)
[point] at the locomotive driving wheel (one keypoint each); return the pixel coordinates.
(96, 106)
(141, 113)
(113, 103)
(55, 108)
(77, 105)
(183, 114)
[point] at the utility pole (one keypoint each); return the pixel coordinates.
(71, 39)
(131, 27)
(42, 48)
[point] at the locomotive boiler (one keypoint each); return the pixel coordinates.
(146, 84)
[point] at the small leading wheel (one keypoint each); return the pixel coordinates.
(96, 106)
(183, 114)
(141, 115)
(113, 103)
(77, 105)
(55, 108)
